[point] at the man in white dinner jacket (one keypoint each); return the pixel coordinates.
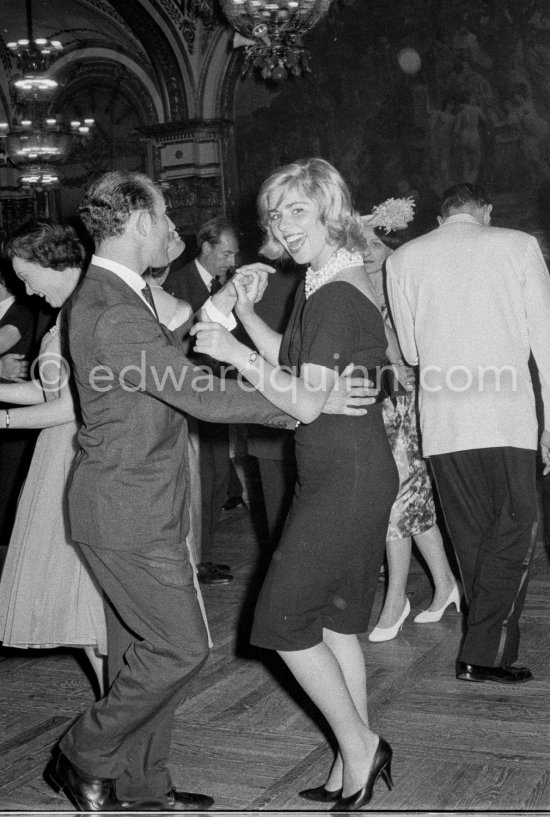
(470, 303)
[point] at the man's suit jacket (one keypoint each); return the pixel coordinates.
(135, 384)
(184, 281)
(470, 303)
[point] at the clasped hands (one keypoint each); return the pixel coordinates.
(349, 395)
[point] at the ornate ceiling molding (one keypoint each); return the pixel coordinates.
(157, 44)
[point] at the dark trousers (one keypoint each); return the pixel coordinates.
(489, 502)
(215, 468)
(156, 642)
(278, 481)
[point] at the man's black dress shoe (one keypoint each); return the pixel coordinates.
(320, 794)
(173, 801)
(217, 566)
(86, 792)
(500, 675)
(233, 502)
(209, 573)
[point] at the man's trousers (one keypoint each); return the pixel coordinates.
(489, 502)
(156, 641)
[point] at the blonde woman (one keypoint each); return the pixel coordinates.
(320, 586)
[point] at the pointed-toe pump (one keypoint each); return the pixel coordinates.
(387, 633)
(380, 766)
(429, 617)
(320, 794)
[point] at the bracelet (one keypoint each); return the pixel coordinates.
(251, 358)
(7, 422)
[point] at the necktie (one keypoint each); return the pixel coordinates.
(148, 295)
(215, 285)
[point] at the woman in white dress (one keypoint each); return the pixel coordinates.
(47, 597)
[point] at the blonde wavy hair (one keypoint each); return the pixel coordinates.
(320, 182)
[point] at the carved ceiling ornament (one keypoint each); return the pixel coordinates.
(160, 50)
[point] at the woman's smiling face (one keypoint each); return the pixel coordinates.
(52, 285)
(295, 221)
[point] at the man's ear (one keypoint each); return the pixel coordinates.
(487, 210)
(142, 222)
(440, 220)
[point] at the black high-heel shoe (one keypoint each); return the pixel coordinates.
(320, 794)
(381, 765)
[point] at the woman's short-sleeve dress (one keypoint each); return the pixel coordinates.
(324, 571)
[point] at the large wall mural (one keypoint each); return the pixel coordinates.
(409, 96)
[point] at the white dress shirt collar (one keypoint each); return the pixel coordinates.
(204, 274)
(465, 218)
(131, 278)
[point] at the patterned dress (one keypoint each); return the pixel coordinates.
(413, 511)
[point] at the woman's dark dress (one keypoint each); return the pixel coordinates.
(324, 572)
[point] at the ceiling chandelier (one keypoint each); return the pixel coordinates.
(33, 57)
(38, 177)
(36, 134)
(271, 34)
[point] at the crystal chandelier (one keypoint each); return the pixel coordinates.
(33, 57)
(35, 134)
(271, 34)
(39, 177)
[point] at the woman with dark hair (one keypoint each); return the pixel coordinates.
(320, 586)
(413, 513)
(47, 597)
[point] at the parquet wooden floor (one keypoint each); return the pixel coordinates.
(245, 735)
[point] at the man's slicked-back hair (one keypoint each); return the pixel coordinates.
(110, 201)
(463, 195)
(213, 229)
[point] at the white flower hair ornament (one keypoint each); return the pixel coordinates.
(392, 214)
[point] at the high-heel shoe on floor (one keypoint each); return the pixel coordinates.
(429, 617)
(320, 794)
(380, 766)
(387, 633)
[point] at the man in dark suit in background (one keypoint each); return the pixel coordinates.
(195, 282)
(127, 501)
(274, 447)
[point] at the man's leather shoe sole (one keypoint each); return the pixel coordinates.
(173, 801)
(500, 675)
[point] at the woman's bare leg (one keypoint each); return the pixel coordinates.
(325, 677)
(398, 552)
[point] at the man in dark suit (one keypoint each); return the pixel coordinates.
(127, 501)
(195, 282)
(274, 447)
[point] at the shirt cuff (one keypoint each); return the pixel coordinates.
(227, 321)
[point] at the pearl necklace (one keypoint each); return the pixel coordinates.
(341, 259)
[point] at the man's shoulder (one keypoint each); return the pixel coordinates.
(511, 234)
(416, 248)
(180, 269)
